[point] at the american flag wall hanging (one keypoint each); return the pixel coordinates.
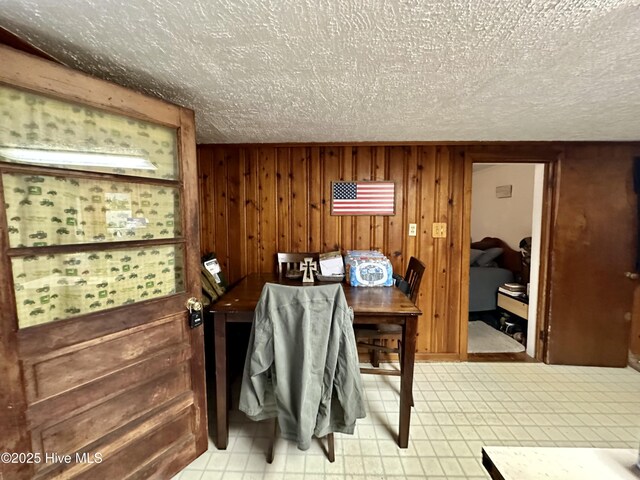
(362, 198)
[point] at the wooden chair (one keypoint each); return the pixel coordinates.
(413, 277)
(331, 449)
(290, 262)
(377, 337)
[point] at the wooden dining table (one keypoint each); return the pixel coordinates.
(371, 305)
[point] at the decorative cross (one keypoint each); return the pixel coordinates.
(308, 267)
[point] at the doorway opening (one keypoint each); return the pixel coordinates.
(504, 282)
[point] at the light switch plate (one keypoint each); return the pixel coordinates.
(439, 230)
(413, 229)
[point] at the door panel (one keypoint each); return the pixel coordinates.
(151, 448)
(85, 428)
(87, 361)
(99, 255)
(593, 246)
(93, 393)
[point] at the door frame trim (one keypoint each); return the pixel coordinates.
(551, 162)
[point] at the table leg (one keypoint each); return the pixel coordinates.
(409, 330)
(222, 414)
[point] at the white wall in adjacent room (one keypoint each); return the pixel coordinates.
(506, 218)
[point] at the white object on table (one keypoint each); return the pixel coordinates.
(331, 264)
(554, 463)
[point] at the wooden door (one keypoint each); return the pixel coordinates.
(102, 376)
(593, 245)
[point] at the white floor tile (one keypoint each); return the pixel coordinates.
(211, 475)
(200, 463)
(392, 465)
(295, 464)
(442, 448)
(431, 466)
(412, 466)
(315, 464)
(237, 462)
(459, 408)
(373, 467)
(191, 475)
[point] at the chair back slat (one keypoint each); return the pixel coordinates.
(413, 277)
(291, 261)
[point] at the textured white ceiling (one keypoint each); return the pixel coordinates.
(361, 70)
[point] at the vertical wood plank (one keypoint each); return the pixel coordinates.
(347, 172)
(379, 172)
(441, 251)
(463, 313)
(219, 218)
(252, 202)
(235, 210)
(412, 214)
(411, 204)
(427, 187)
(455, 245)
(331, 224)
(300, 186)
(268, 198)
(361, 239)
(282, 212)
(395, 223)
(316, 188)
(205, 190)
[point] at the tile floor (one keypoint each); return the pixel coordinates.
(459, 407)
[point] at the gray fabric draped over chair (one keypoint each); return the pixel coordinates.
(302, 364)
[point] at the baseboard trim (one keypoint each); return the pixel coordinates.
(420, 357)
(437, 357)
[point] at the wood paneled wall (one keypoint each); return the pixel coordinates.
(257, 201)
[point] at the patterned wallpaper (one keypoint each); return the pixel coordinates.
(45, 210)
(52, 287)
(68, 209)
(35, 122)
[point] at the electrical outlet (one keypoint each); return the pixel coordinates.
(413, 229)
(439, 230)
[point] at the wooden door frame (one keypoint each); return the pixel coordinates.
(12, 40)
(30, 73)
(551, 161)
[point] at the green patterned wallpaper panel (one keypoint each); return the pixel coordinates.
(45, 210)
(54, 287)
(35, 126)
